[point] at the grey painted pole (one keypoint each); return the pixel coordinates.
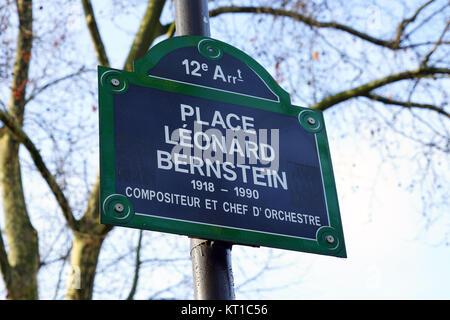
(211, 268)
(211, 260)
(192, 18)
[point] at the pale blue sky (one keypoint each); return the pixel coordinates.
(391, 255)
(394, 251)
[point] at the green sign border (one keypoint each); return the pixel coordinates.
(329, 240)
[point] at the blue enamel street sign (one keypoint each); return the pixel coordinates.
(201, 141)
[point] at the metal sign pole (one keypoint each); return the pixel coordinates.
(211, 260)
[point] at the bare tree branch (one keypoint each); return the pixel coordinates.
(23, 138)
(436, 45)
(391, 44)
(155, 295)
(404, 23)
(149, 29)
(364, 89)
(137, 267)
(170, 29)
(420, 44)
(307, 20)
(406, 104)
(90, 232)
(60, 274)
(54, 82)
(5, 268)
(89, 222)
(95, 33)
(426, 20)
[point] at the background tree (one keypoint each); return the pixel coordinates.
(379, 71)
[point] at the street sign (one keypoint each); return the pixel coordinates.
(200, 140)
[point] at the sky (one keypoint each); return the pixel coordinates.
(387, 257)
(393, 253)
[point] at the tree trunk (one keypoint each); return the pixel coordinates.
(88, 239)
(23, 253)
(83, 261)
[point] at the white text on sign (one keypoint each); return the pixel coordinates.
(197, 69)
